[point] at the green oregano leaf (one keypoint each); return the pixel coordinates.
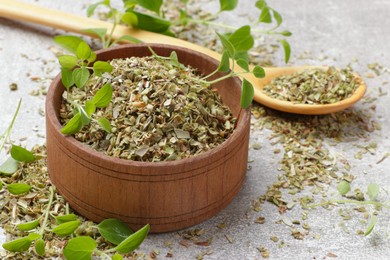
(146, 22)
(18, 245)
(242, 39)
(103, 96)
(18, 188)
(99, 32)
(33, 236)
(129, 38)
(80, 76)
(174, 59)
(152, 5)
(224, 65)
(65, 218)
(227, 45)
(40, 247)
(67, 228)
(67, 61)
(227, 5)
(68, 42)
(371, 225)
(67, 78)
(85, 118)
(117, 257)
(133, 241)
(9, 167)
(343, 187)
(114, 230)
(89, 107)
(1, 185)
(261, 4)
(373, 191)
(243, 64)
(105, 124)
(287, 49)
(73, 126)
(100, 67)
(265, 16)
(28, 225)
(278, 18)
(259, 72)
(80, 248)
(21, 154)
(247, 94)
(286, 33)
(83, 51)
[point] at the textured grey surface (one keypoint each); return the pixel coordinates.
(329, 32)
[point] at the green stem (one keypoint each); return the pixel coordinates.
(46, 213)
(8, 130)
(369, 202)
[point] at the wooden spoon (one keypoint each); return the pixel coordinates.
(57, 19)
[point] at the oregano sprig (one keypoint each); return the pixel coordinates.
(75, 67)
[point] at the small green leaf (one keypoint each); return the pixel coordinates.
(68, 42)
(80, 76)
(133, 241)
(9, 167)
(40, 247)
(28, 225)
(129, 38)
(242, 39)
(65, 218)
(224, 65)
(259, 72)
(343, 187)
(105, 124)
(85, 118)
(67, 78)
(67, 228)
(80, 248)
(73, 126)
(83, 51)
(100, 67)
(227, 45)
(278, 18)
(18, 188)
(92, 58)
(261, 4)
(67, 61)
(99, 32)
(371, 225)
(227, 5)
(1, 185)
(152, 5)
(286, 33)
(91, 8)
(18, 245)
(89, 107)
(21, 154)
(287, 50)
(114, 230)
(243, 64)
(146, 22)
(117, 257)
(373, 191)
(247, 94)
(33, 236)
(103, 96)
(265, 16)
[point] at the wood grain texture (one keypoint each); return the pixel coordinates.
(167, 195)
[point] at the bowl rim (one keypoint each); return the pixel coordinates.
(83, 149)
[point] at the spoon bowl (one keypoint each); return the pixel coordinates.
(53, 18)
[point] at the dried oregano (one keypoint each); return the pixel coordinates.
(315, 86)
(158, 112)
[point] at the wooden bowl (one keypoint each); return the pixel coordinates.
(167, 195)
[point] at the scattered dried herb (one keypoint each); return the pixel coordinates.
(314, 86)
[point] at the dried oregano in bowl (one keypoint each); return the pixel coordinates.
(158, 112)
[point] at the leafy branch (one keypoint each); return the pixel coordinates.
(372, 192)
